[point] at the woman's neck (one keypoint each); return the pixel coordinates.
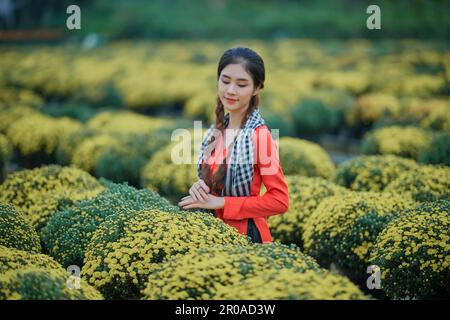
(235, 120)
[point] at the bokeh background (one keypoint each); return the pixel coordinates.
(86, 118)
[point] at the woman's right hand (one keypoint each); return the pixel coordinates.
(199, 191)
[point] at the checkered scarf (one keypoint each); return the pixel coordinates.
(239, 174)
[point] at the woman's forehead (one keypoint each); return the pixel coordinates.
(235, 72)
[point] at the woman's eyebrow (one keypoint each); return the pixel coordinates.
(242, 79)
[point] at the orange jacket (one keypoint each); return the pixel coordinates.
(267, 170)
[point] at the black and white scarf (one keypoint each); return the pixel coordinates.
(239, 174)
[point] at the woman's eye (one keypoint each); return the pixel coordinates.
(240, 85)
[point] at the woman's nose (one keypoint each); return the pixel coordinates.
(231, 89)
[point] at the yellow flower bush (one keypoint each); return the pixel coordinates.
(27, 275)
(43, 284)
(168, 178)
(438, 119)
(70, 143)
(413, 253)
(9, 115)
(306, 158)
(89, 151)
(116, 145)
(39, 133)
(15, 259)
(422, 85)
(68, 232)
(288, 284)
(371, 107)
(419, 109)
(125, 122)
(15, 231)
(129, 154)
(426, 183)
(115, 155)
(201, 105)
(394, 77)
(354, 82)
(372, 173)
(203, 273)
(343, 228)
(40, 192)
(140, 90)
(406, 142)
(64, 75)
(124, 249)
(11, 96)
(305, 193)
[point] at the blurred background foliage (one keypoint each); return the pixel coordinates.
(212, 19)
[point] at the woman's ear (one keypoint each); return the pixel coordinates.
(256, 91)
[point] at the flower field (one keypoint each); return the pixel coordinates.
(87, 182)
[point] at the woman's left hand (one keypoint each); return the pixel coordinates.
(212, 202)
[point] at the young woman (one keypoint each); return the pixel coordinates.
(239, 153)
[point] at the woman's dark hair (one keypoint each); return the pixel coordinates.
(254, 65)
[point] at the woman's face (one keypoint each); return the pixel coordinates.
(235, 87)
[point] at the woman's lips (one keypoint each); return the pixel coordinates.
(230, 101)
